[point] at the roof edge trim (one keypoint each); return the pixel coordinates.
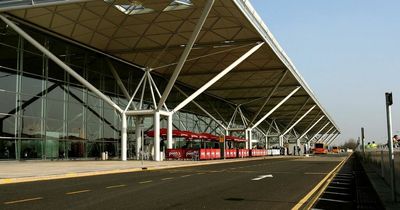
(252, 16)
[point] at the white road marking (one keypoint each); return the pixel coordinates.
(262, 177)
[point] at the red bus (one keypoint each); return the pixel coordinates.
(319, 148)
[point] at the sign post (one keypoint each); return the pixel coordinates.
(362, 143)
(389, 102)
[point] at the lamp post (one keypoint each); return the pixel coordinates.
(389, 102)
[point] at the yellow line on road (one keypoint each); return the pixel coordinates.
(144, 182)
(200, 173)
(77, 192)
(168, 178)
(23, 200)
(115, 186)
(319, 186)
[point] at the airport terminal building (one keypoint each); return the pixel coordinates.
(83, 77)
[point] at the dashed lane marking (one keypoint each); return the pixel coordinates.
(23, 200)
(168, 178)
(187, 175)
(77, 192)
(145, 182)
(200, 173)
(116, 186)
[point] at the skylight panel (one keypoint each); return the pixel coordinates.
(179, 5)
(133, 8)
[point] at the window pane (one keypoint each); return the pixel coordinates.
(93, 100)
(76, 149)
(76, 94)
(7, 126)
(93, 131)
(54, 129)
(94, 149)
(31, 149)
(8, 81)
(55, 109)
(32, 106)
(75, 127)
(93, 115)
(33, 64)
(7, 102)
(7, 149)
(54, 91)
(8, 54)
(31, 127)
(30, 85)
(52, 149)
(95, 79)
(55, 72)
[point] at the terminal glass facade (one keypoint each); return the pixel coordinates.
(47, 114)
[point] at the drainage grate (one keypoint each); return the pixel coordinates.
(349, 189)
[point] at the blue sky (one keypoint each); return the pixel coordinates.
(348, 51)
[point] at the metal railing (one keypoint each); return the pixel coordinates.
(379, 160)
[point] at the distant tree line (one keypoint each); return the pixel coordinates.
(351, 144)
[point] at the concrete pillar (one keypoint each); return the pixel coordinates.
(248, 138)
(138, 132)
(157, 156)
(169, 132)
(124, 137)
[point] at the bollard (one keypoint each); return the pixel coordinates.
(106, 156)
(103, 156)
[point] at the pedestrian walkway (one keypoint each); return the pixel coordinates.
(26, 171)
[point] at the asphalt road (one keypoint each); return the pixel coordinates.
(261, 184)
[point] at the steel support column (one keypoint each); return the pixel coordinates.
(202, 109)
(297, 113)
(138, 133)
(119, 81)
(186, 52)
(249, 138)
(327, 135)
(305, 133)
(319, 131)
(157, 156)
(169, 131)
(124, 137)
(269, 96)
(276, 107)
(301, 118)
(280, 140)
(321, 138)
(334, 138)
(216, 78)
(331, 138)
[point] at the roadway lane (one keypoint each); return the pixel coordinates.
(261, 184)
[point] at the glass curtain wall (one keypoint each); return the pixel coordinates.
(45, 113)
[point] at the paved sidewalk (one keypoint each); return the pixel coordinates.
(26, 171)
(381, 187)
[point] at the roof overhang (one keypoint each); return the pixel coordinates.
(155, 40)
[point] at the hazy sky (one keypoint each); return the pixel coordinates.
(348, 51)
